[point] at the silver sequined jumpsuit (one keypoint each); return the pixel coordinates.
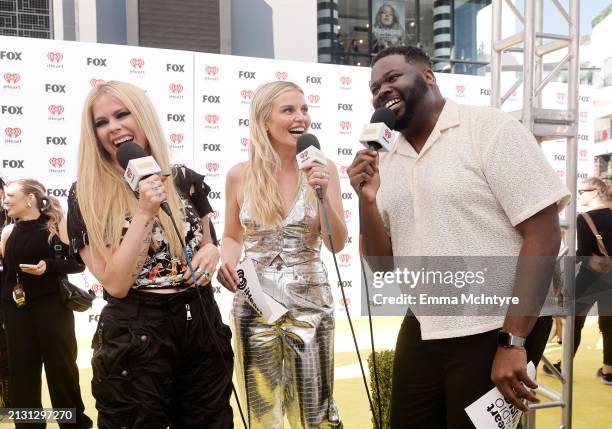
(288, 366)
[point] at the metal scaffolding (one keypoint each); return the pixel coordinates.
(546, 124)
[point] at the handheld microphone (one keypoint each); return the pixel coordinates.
(138, 166)
(309, 150)
(377, 134)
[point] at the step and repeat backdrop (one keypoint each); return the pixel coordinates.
(203, 102)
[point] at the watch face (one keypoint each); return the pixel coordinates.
(503, 338)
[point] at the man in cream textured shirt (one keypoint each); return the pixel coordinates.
(460, 181)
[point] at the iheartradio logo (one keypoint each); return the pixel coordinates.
(97, 289)
(345, 125)
(175, 88)
(55, 57)
(345, 80)
(246, 94)
(214, 215)
(560, 173)
(347, 214)
(56, 109)
(212, 119)
(281, 75)
(344, 169)
(244, 142)
(583, 116)
(460, 90)
(94, 82)
(12, 132)
(344, 302)
(211, 70)
(314, 98)
(560, 96)
(12, 78)
(345, 258)
(176, 138)
(212, 167)
(583, 153)
(57, 162)
(137, 63)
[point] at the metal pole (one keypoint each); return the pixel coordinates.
(528, 64)
(496, 55)
(571, 165)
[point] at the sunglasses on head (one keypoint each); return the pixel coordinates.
(582, 191)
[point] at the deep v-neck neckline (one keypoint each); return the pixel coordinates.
(295, 200)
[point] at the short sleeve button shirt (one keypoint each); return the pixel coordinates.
(479, 174)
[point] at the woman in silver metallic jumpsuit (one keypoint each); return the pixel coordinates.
(284, 367)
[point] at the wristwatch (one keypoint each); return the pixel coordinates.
(506, 339)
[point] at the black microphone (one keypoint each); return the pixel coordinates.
(377, 134)
(309, 150)
(138, 166)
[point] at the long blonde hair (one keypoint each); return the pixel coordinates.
(262, 194)
(49, 206)
(104, 198)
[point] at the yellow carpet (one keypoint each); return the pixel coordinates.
(592, 400)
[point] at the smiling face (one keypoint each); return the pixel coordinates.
(400, 86)
(114, 124)
(289, 118)
(16, 202)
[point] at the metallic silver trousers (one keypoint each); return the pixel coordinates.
(288, 366)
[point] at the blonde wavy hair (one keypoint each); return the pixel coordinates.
(262, 194)
(104, 198)
(49, 206)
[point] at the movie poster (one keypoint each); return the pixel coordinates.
(388, 29)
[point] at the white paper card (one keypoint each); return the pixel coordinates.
(251, 290)
(492, 411)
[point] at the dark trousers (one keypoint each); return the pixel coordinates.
(594, 288)
(42, 333)
(434, 380)
(155, 363)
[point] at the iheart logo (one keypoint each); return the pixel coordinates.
(281, 75)
(56, 109)
(94, 82)
(57, 162)
(246, 94)
(345, 80)
(212, 119)
(344, 169)
(460, 89)
(583, 115)
(583, 153)
(137, 63)
(560, 96)
(211, 70)
(347, 214)
(244, 142)
(212, 166)
(560, 173)
(344, 302)
(345, 125)
(12, 78)
(176, 138)
(12, 132)
(215, 215)
(55, 57)
(314, 98)
(176, 88)
(345, 257)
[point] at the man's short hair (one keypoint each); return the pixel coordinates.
(410, 53)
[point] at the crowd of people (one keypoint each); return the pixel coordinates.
(162, 356)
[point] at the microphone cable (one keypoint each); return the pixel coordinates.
(365, 280)
(377, 422)
(210, 325)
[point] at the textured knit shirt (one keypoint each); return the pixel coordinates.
(479, 174)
